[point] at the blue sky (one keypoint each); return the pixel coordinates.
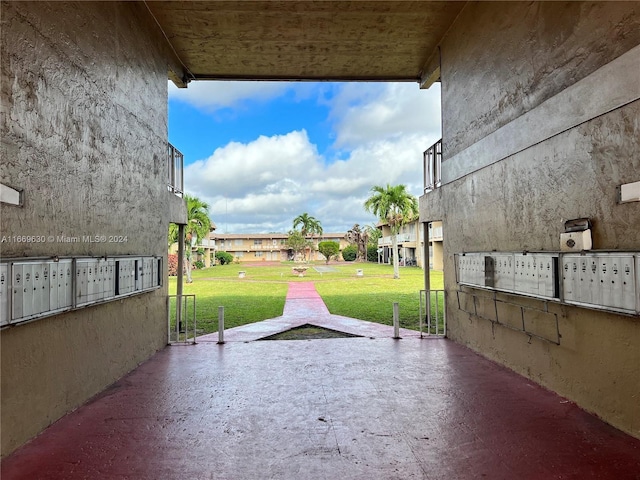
(261, 153)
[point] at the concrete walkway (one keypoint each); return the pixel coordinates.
(305, 306)
(348, 408)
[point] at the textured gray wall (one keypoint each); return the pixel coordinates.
(84, 132)
(500, 61)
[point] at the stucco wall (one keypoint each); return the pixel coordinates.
(84, 132)
(500, 61)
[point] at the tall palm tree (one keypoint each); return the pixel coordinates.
(197, 227)
(308, 226)
(395, 206)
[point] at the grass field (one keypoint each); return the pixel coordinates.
(261, 293)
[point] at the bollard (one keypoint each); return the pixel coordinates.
(220, 324)
(396, 320)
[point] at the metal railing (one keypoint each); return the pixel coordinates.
(175, 167)
(435, 234)
(181, 319)
(432, 158)
(433, 320)
(402, 238)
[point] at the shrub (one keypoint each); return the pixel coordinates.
(224, 258)
(172, 264)
(372, 253)
(198, 264)
(349, 253)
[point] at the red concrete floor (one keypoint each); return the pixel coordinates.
(349, 408)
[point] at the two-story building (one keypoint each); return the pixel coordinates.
(262, 247)
(411, 244)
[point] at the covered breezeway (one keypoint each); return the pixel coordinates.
(356, 408)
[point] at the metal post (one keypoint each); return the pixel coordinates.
(396, 320)
(220, 324)
(428, 294)
(425, 255)
(427, 272)
(180, 280)
(421, 319)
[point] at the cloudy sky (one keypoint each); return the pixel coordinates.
(261, 153)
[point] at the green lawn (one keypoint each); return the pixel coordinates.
(261, 294)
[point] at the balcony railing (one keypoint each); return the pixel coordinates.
(175, 166)
(402, 238)
(435, 234)
(433, 166)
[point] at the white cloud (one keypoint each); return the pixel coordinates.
(212, 95)
(388, 111)
(239, 169)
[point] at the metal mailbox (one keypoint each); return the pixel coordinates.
(40, 299)
(504, 275)
(60, 285)
(605, 280)
(82, 282)
(547, 276)
(5, 314)
(109, 279)
(126, 268)
(147, 273)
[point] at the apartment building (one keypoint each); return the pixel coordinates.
(411, 245)
(267, 247)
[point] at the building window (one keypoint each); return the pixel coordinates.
(257, 242)
(259, 254)
(237, 241)
(275, 242)
(239, 254)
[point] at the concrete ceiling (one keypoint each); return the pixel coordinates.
(380, 40)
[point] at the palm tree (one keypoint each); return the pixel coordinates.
(309, 226)
(395, 206)
(197, 227)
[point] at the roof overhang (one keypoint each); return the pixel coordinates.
(294, 40)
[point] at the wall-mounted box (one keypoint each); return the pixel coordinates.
(576, 241)
(629, 192)
(5, 289)
(504, 273)
(33, 288)
(147, 273)
(109, 279)
(17, 291)
(471, 269)
(157, 271)
(127, 271)
(605, 280)
(489, 271)
(138, 266)
(617, 281)
(81, 282)
(61, 285)
(40, 300)
(548, 280)
(526, 274)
